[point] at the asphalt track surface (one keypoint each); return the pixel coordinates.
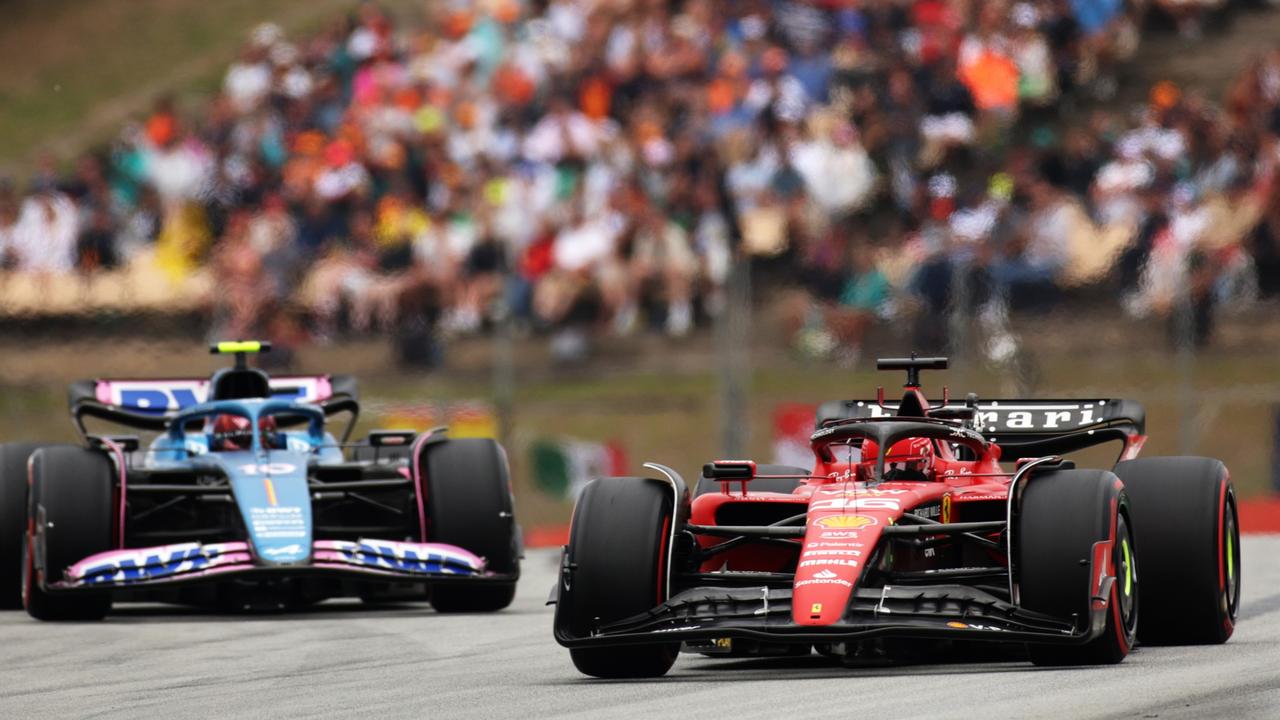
(346, 660)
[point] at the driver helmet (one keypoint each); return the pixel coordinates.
(910, 459)
(234, 432)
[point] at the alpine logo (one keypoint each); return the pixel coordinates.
(282, 550)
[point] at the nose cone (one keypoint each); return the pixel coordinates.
(836, 549)
(275, 503)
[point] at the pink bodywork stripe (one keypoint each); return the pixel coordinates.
(116, 449)
(324, 390)
(420, 486)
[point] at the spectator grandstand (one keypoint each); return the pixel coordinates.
(597, 166)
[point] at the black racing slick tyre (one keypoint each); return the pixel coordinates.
(618, 552)
(1063, 516)
(1184, 511)
(13, 520)
(760, 484)
(469, 505)
(69, 510)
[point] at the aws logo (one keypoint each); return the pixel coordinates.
(846, 522)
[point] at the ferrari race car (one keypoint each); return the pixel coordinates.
(244, 498)
(920, 529)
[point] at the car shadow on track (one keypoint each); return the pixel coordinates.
(814, 667)
(156, 613)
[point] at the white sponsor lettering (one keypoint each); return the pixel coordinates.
(827, 562)
(278, 522)
(836, 581)
(825, 553)
(1051, 419)
(862, 503)
(1019, 421)
(267, 468)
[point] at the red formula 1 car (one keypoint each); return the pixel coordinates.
(920, 526)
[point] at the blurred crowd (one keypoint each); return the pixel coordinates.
(598, 166)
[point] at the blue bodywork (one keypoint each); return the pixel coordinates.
(269, 484)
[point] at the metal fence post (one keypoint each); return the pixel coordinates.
(733, 350)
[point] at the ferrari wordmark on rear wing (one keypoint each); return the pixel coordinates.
(1025, 428)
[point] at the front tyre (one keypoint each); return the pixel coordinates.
(13, 520)
(69, 519)
(1184, 508)
(1064, 516)
(469, 505)
(618, 553)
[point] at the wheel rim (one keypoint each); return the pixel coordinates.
(1126, 575)
(1231, 550)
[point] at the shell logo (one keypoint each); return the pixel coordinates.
(846, 521)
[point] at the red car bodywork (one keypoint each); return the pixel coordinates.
(845, 518)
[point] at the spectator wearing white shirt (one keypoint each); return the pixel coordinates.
(44, 238)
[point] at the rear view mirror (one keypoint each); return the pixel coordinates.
(724, 470)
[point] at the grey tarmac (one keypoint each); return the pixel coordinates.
(343, 659)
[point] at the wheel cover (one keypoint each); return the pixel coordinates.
(1126, 577)
(1230, 545)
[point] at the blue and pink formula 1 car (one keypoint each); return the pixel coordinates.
(245, 498)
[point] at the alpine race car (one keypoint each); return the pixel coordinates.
(244, 498)
(919, 528)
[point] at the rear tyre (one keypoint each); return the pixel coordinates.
(618, 549)
(13, 520)
(1063, 515)
(469, 505)
(1184, 508)
(778, 485)
(69, 511)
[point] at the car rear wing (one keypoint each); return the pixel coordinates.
(150, 404)
(1025, 428)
